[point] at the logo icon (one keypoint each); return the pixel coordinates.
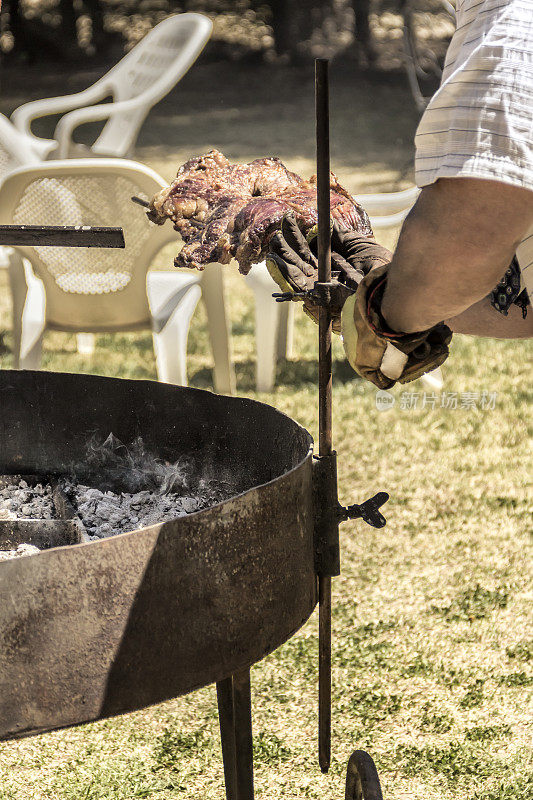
(384, 400)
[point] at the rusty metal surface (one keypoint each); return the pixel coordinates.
(97, 629)
(40, 533)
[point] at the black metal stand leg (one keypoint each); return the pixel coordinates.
(242, 709)
(227, 735)
(235, 716)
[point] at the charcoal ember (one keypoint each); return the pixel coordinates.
(139, 499)
(140, 488)
(224, 211)
(21, 501)
(190, 504)
(106, 513)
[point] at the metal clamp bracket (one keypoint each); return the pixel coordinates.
(329, 513)
(324, 294)
(326, 505)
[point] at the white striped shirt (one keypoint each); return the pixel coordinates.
(479, 124)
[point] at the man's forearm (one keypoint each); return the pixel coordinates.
(454, 247)
(482, 319)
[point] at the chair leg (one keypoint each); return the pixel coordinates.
(285, 330)
(85, 343)
(433, 381)
(170, 344)
(270, 328)
(267, 318)
(19, 291)
(217, 321)
(235, 716)
(173, 298)
(33, 317)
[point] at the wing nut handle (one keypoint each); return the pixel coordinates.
(368, 511)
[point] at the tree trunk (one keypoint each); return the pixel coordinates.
(68, 21)
(363, 34)
(293, 22)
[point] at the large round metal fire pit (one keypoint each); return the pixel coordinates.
(97, 629)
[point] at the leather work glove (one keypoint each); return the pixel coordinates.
(359, 266)
(379, 354)
(292, 263)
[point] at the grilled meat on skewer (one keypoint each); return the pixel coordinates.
(224, 211)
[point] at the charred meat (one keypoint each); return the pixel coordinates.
(224, 211)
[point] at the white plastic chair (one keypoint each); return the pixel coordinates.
(88, 290)
(389, 209)
(274, 324)
(274, 321)
(18, 149)
(140, 80)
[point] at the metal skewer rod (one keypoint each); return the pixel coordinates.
(61, 236)
(324, 389)
(140, 201)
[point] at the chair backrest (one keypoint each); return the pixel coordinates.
(151, 69)
(89, 289)
(15, 149)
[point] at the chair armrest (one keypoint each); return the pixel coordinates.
(388, 220)
(68, 123)
(24, 115)
(388, 202)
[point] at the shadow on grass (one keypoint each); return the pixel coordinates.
(290, 374)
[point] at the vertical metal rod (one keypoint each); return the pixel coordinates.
(324, 397)
(324, 251)
(324, 673)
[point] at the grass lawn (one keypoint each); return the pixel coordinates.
(433, 641)
(432, 616)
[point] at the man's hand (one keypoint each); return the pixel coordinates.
(293, 264)
(359, 268)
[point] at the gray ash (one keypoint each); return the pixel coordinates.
(106, 513)
(119, 489)
(23, 501)
(24, 549)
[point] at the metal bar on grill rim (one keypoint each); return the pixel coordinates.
(61, 236)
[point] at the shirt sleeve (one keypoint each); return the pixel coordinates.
(480, 122)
